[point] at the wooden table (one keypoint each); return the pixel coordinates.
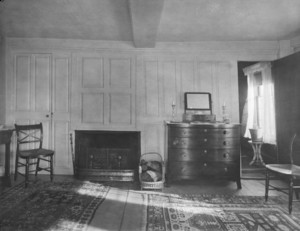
(257, 158)
(5, 138)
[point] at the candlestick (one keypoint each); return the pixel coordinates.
(173, 111)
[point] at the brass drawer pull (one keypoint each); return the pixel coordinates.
(175, 142)
(224, 143)
(226, 155)
(205, 140)
(205, 151)
(224, 132)
(205, 164)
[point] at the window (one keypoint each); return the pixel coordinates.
(260, 100)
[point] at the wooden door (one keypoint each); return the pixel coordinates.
(40, 93)
(287, 101)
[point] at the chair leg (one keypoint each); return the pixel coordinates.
(297, 194)
(291, 195)
(27, 172)
(267, 185)
(51, 168)
(16, 168)
(37, 166)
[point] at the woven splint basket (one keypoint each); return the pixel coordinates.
(152, 156)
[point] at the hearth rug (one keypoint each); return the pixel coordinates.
(176, 213)
(50, 205)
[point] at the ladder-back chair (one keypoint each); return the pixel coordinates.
(30, 151)
(290, 171)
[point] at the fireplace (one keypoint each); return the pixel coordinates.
(107, 155)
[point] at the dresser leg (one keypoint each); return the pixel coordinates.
(239, 184)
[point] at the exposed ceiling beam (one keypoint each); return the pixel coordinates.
(145, 18)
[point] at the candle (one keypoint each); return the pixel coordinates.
(173, 103)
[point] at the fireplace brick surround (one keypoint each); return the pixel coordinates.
(107, 155)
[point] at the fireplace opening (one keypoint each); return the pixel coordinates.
(107, 155)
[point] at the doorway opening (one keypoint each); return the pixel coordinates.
(248, 171)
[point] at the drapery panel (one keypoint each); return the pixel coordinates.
(267, 123)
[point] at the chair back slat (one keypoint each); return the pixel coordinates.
(295, 149)
(29, 136)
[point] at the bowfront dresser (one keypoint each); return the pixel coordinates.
(203, 150)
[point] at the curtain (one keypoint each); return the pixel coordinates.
(268, 124)
(250, 104)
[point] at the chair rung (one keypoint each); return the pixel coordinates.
(44, 159)
(44, 169)
(283, 190)
(23, 164)
(22, 174)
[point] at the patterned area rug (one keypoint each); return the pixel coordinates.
(50, 206)
(218, 212)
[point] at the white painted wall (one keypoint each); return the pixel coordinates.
(115, 86)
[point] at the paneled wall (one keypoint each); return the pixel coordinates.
(104, 91)
(113, 86)
(2, 80)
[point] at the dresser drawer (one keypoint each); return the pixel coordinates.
(204, 132)
(197, 150)
(196, 142)
(203, 154)
(194, 170)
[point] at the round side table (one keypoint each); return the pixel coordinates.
(257, 158)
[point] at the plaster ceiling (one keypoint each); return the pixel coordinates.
(146, 22)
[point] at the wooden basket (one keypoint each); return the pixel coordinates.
(152, 156)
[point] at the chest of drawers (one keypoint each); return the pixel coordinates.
(196, 150)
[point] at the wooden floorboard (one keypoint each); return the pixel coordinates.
(214, 186)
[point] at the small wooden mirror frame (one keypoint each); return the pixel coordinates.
(197, 101)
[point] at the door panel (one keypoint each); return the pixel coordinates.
(42, 83)
(42, 94)
(61, 113)
(287, 82)
(22, 82)
(32, 87)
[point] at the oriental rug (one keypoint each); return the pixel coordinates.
(218, 212)
(50, 205)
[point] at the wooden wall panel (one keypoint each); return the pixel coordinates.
(92, 72)
(120, 108)
(222, 92)
(120, 73)
(61, 84)
(151, 88)
(92, 108)
(107, 87)
(187, 76)
(153, 138)
(169, 87)
(62, 157)
(204, 80)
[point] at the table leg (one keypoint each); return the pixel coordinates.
(7, 181)
(257, 154)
